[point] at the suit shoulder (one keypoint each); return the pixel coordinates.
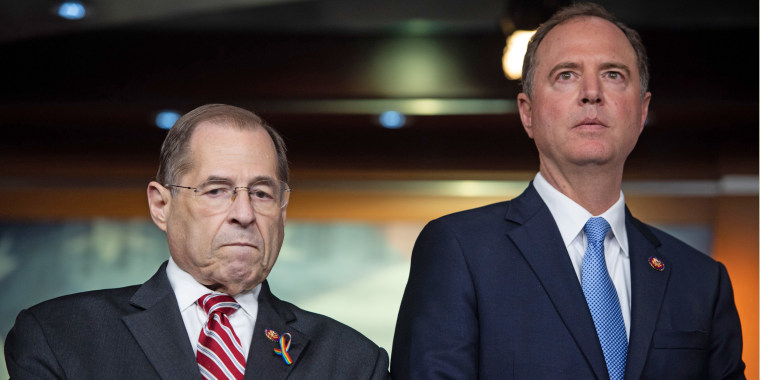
(323, 328)
(476, 216)
(102, 300)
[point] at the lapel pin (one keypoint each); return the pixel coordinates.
(272, 335)
(284, 347)
(656, 264)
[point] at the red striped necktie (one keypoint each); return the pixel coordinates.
(220, 354)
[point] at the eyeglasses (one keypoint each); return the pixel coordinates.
(266, 197)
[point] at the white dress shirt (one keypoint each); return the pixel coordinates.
(571, 217)
(187, 291)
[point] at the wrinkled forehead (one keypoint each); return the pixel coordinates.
(227, 148)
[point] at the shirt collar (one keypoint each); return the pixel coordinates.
(188, 290)
(571, 217)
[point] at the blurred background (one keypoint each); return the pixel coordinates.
(395, 112)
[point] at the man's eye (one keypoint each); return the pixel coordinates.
(216, 191)
(566, 75)
(614, 75)
(261, 194)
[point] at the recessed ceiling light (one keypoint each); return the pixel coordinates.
(166, 119)
(72, 10)
(392, 119)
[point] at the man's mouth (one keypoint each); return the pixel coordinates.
(591, 123)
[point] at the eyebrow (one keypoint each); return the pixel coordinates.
(216, 178)
(562, 66)
(258, 179)
(615, 65)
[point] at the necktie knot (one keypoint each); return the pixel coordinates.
(596, 229)
(218, 303)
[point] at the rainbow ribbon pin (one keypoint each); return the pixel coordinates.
(284, 347)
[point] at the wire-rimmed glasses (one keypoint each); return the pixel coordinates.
(267, 197)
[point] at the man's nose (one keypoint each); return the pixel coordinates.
(591, 90)
(242, 211)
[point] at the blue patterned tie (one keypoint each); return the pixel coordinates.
(602, 299)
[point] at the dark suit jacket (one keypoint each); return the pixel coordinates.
(492, 294)
(137, 333)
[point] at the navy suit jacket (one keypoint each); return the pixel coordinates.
(137, 333)
(492, 294)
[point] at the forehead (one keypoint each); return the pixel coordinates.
(585, 39)
(222, 149)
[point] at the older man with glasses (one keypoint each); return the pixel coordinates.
(221, 196)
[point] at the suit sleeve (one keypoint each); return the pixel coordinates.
(437, 328)
(27, 353)
(726, 335)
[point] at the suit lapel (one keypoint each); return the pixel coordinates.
(159, 329)
(647, 288)
(541, 244)
(262, 361)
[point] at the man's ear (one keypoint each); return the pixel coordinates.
(525, 107)
(645, 109)
(159, 198)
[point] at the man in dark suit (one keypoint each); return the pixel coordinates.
(221, 197)
(563, 282)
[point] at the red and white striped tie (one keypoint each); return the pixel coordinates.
(220, 355)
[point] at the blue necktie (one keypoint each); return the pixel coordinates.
(602, 299)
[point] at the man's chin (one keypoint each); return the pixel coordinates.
(242, 280)
(594, 156)
(234, 288)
